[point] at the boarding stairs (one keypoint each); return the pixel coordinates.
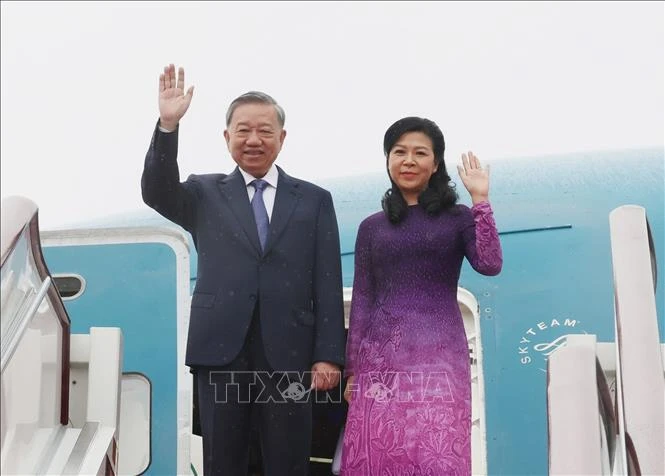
(46, 369)
(591, 429)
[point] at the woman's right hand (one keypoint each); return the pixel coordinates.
(475, 178)
(348, 390)
(173, 102)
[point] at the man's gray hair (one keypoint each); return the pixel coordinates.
(254, 97)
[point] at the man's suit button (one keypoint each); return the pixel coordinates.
(252, 297)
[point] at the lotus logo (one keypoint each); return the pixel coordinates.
(379, 392)
(295, 391)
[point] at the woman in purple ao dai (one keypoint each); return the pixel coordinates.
(409, 383)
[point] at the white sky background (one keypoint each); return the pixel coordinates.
(79, 85)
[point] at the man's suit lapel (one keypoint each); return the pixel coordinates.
(233, 187)
(286, 199)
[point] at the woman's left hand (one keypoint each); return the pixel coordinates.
(475, 178)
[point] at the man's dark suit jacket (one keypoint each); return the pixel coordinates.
(296, 280)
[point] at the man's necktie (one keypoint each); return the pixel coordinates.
(260, 213)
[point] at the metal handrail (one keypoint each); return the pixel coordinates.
(15, 339)
(20, 215)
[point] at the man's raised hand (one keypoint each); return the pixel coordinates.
(173, 102)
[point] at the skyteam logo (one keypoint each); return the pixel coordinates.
(540, 340)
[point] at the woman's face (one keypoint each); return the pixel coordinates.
(411, 164)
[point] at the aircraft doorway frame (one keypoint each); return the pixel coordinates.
(470, 310)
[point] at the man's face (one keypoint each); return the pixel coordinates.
(254, 137)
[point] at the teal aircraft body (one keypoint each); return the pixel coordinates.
(552, 214)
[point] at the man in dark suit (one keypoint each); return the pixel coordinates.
(267, 318)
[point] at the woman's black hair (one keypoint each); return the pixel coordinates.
(440, 194)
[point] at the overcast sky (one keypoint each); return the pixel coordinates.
(79, 85)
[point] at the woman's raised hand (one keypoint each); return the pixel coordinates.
(475, 178)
